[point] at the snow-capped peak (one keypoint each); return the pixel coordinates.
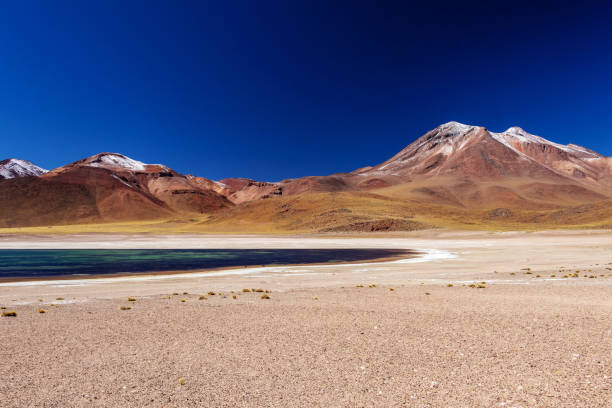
(515, 136)
(13, 168)
(117, 160)
(455, 126)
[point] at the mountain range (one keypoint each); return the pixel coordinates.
(455, 175)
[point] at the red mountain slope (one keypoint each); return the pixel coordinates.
(104, 187)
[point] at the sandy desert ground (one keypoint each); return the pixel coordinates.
(327, 336)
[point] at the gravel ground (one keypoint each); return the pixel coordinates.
(545, 345)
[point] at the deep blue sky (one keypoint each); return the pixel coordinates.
(272, 90)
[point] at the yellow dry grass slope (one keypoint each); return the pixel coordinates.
(350, 212)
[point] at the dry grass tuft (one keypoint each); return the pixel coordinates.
(185, 293)
(9, 313)
(265, 296)
(315, 298)
(42, 311)
(202, 297)
(391, 289)
(258, 290)
(59, 298)
(234, 297)
(450, 285)
(181, 381)
(183, 300)
(359, 286)
(124, 308)
(174, 293)
(246, 290)
(131, 299)
(480, 286)
(427, 293)
(372, 285)
(211, 293)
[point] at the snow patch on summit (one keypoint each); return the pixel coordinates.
(13, 168)
(118, 160)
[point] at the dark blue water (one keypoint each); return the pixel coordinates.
(36, 263)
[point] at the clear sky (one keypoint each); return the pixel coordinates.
(273, 90)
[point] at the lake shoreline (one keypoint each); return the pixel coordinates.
(58, 279)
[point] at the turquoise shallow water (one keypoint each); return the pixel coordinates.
(36, 263)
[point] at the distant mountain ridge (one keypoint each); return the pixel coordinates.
(452, 168)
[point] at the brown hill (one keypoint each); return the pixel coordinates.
(469, 166)
(240, 190)
(473, 152)
(105, 187)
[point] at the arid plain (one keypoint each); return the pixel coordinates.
(526, 322)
